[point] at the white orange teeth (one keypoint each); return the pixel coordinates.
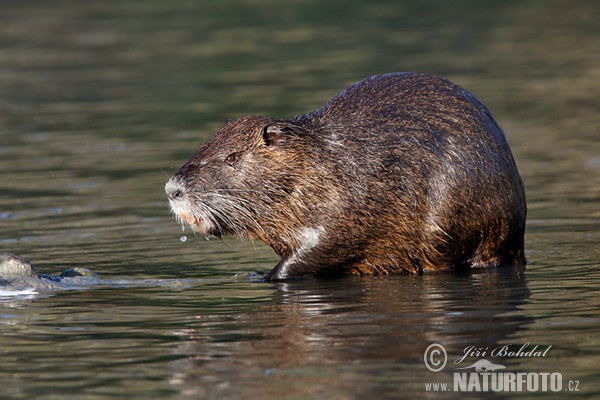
(190, 220)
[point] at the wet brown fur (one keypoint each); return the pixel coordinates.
(397, 173)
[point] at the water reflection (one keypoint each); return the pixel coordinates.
(381, 321)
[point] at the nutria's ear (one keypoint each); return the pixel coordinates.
(274, 135)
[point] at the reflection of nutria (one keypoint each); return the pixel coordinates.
(397, 173)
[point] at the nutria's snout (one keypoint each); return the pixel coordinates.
(176, 195)
(182, 207)
(175, 191)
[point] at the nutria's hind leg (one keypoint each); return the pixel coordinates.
(500, 250)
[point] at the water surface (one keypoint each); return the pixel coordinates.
(101, 102)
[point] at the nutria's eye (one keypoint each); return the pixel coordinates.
(231, 158)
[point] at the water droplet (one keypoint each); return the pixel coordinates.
(183, 238)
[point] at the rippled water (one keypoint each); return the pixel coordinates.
(101, 102)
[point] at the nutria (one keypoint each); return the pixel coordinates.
(401, 172)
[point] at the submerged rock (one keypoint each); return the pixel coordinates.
(16, 273)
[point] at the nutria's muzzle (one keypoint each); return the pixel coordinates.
(182, 207)
(174, 190)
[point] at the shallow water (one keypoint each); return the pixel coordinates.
(101, 102)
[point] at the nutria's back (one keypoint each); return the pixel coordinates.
(397, 173)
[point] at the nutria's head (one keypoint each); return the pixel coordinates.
(241, 181)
